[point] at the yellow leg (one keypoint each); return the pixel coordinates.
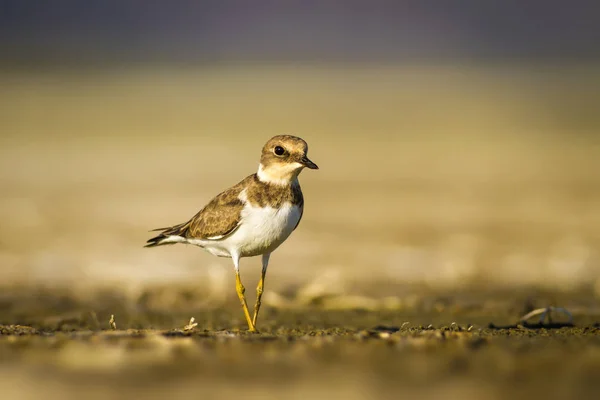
(259, 292)
(240, 291)
(260, 287)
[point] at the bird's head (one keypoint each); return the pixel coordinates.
(282, 160)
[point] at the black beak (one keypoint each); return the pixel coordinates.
(308, 164)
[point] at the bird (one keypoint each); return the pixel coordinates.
(251, 218)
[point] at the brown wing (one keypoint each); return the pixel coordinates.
(217, 220)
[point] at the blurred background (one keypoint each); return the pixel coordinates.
(458, 142)
(459, 150)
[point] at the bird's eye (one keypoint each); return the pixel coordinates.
(279, 151)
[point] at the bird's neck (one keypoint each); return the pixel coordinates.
(278, 174)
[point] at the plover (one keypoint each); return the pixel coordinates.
(251, 218)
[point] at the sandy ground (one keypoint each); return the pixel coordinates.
(445, 194)
(300, 352)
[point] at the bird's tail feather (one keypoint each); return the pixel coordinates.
(171, 235)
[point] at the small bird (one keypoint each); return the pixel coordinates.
(251, 218)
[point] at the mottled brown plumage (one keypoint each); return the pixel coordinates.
(221, 216)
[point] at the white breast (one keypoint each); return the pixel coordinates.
(263, 229)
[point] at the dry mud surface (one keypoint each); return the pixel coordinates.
(440, 346)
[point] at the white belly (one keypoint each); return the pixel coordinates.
(261, 231)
